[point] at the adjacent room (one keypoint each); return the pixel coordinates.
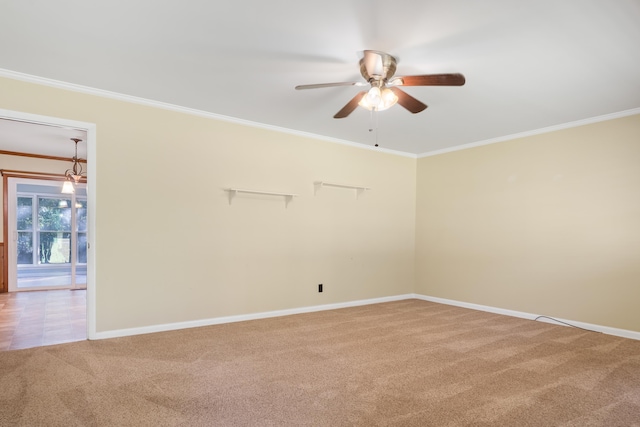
(266, 213)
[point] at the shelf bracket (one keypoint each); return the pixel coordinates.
(288, 197)
(359, 189)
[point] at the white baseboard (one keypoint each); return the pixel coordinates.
(242, 317)
(278, 313)
(597, 328)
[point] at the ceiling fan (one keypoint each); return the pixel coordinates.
(378, 69)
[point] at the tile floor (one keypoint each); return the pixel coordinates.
(37, 318)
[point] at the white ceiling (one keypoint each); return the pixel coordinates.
(528, 64)
(24, 137)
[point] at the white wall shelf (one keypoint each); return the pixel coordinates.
(359, 189)
(287, 196)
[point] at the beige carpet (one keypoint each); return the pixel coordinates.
(405, 363)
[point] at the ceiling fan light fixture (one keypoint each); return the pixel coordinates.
(374, 96)
(389, 98)
(378, 100)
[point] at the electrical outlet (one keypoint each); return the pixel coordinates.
(320, 287)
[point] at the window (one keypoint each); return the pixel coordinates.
(50, 236)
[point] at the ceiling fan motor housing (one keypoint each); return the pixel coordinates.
(377, 67)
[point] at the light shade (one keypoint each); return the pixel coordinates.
(378, 100)
(67, 188)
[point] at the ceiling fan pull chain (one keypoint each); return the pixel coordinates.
(373, 123)
(377, 127)
(371, 120)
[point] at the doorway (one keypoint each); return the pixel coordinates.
(89, 203)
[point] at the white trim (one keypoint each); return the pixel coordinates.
(244, 317)
(555, 128)
(166, 106)
(192, 111)
(278, 313)
(625, 333)
(90, 128)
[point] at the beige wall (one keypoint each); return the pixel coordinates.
(170, 247)
(548, 224)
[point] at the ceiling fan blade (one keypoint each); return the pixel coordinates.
(351, 105)
(321, 85)
(429, 80)
(408, 101)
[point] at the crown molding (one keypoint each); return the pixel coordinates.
(554, 128)
(186, 110)
(201, 113)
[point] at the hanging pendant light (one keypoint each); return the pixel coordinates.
(74, 174)
(67, 187)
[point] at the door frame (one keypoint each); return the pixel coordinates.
(90, 129)
(12, 182)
